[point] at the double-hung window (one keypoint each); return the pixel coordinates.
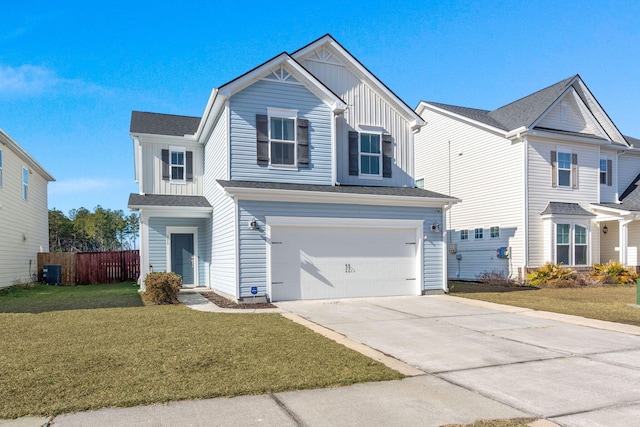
(494, 232)
(478, 233)
(177, 165)
(282, 137)
(370, 154)
(571, 244)
(564, 169)
(606, 172)
(25, 183)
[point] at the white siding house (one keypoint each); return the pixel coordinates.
(296, 183)
(24, 218)
(539, 178)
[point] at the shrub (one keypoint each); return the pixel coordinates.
(494, 277)
(552, 275)
(162, 287)
(613, 273)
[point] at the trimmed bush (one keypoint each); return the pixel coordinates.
(162, 287)
(613, 273)
(550, 274)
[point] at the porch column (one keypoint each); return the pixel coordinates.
(623, 240)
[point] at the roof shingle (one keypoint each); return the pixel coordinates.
(163, 124)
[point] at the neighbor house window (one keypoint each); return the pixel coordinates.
(25, 183)
(564, 169)
(494, 232)
(464, 234)
(177, 165)
(420, 183)
(0, 168)
(606, 172)
(571, 244)
(479, 233)
(283, 141)
(370, 154)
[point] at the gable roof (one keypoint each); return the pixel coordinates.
(407, 111)
(527, 111)
(6, 140)
(163, 124)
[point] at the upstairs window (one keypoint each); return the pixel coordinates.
(177, 165)
(494, 232)
(420, 183)
(0, 168)
(282, 139)
(25, 183)
(370, 154)
(606, 174)
(564, 169)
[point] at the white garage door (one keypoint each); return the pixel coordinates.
(342, 262)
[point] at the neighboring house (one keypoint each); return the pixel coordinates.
(548, 177)
(296, 183)
(24, 216)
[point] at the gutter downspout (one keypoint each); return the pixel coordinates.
(526, 206)
(445, 267)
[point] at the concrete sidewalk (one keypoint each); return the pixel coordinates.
(465, 359)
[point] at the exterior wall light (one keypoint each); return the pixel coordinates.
(253, 225)
(605, 230)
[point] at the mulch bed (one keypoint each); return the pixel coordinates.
(223, 302)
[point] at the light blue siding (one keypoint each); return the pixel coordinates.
(158, 242)
(254, 100)
(252, 243)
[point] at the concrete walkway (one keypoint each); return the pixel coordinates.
(464, 359)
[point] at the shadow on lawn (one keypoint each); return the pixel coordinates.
(456, 287)
(41, 298)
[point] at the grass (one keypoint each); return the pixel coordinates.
(514, 422)
(604, 303)
(54, 362)
(43, 298)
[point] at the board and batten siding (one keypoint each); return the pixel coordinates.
(485, 171)
(24, 224)
(222, 236)
(253, 247)
(152, 182)
(255, 99)
(541, 192)
(158, 242)
(365, 107)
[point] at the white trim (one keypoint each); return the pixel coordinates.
(172, 211)
(302, 196)
(183, 151)
(425, 105)
(24, 184)
(350, 223)
(169, 230)
(374, 131)
(280, 113)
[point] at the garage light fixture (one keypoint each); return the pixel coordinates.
(435, 227)
(253, 225)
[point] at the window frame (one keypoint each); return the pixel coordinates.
(562, 169)
(572, 242)
(494, 232)
(479, 231)
(178, 150)
(378, 155)
(603, 171)
(0, 168)
(420, 183)
(279, 113)
(464, 234)
(25, 184)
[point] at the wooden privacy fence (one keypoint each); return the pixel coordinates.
(83, 268)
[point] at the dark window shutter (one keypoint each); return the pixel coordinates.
(554, 169)
(165, 165)
(609, 173)
(262, 139)
(189, 165)
(387, 155)
(574, 170)
(354, 153)
(303, 143)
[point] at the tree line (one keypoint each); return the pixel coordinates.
(85, 231)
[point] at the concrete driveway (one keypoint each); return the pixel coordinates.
(573, 371)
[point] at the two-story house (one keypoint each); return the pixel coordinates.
(548, 177)
(24, 215)
(296, 183)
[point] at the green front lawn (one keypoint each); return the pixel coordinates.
(607, 302)
(78, 359)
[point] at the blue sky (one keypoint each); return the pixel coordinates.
(72, 72)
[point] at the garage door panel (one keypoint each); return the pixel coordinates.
(339, 262)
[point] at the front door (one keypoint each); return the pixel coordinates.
(182, 257)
